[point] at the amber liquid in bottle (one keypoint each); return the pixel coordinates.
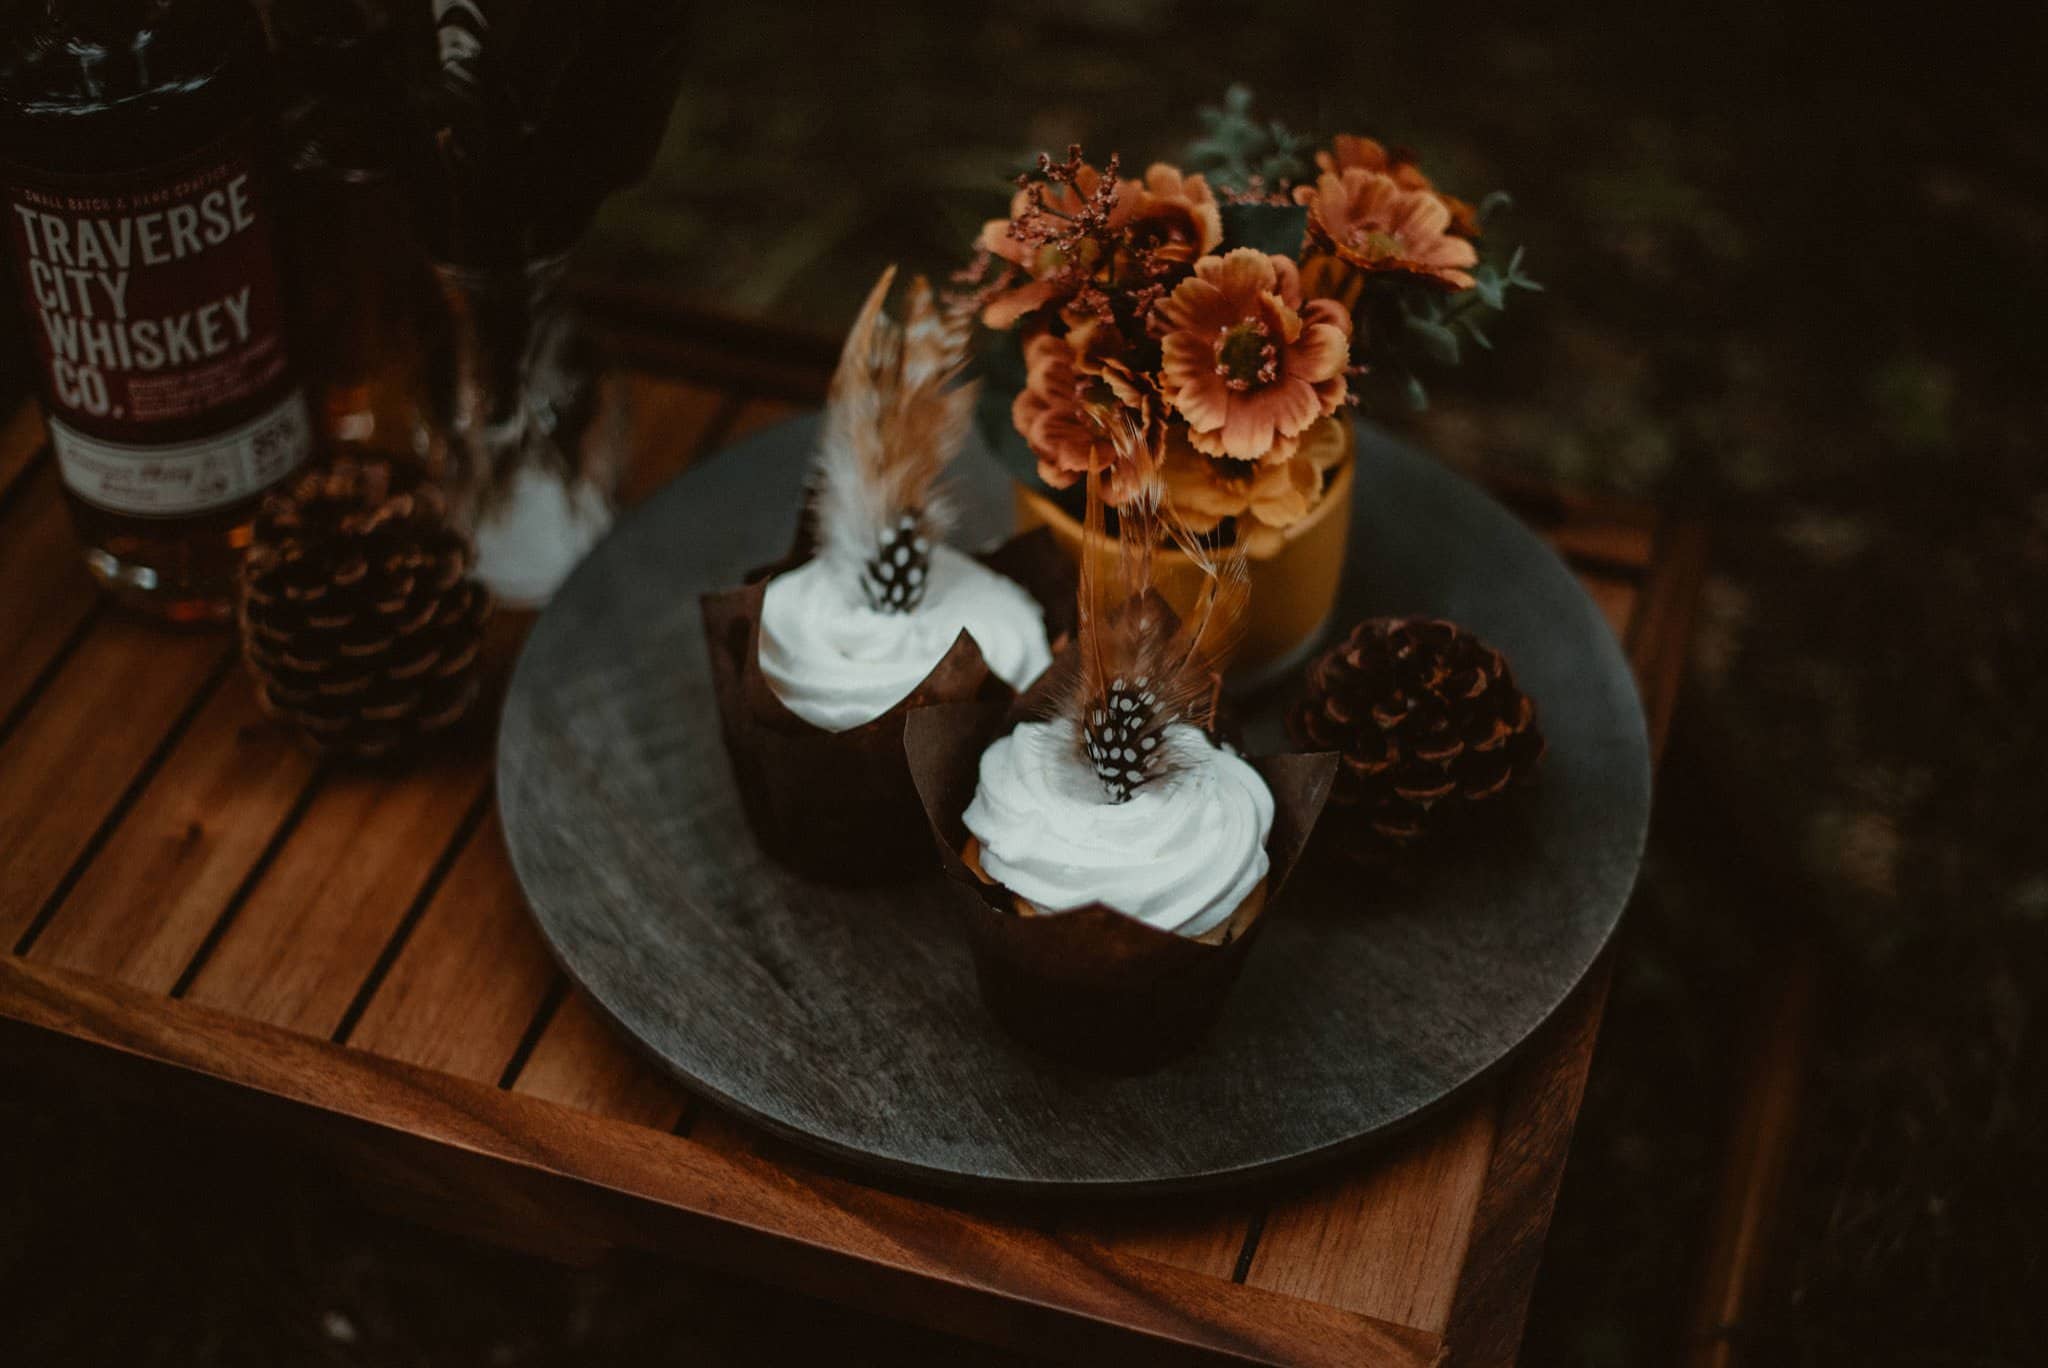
(134, 141)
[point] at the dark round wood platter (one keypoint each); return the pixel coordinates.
(848, 1020)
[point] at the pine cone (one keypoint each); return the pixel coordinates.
(359, 621)
(1429, 724)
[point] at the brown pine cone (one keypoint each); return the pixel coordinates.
(1428, 722)
(359, 622)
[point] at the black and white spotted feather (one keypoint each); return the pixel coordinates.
(896, 415)
(1143, 666)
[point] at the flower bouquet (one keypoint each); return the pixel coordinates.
(1231, 313)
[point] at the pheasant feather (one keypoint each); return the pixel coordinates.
(896, 414)
(1144, 668)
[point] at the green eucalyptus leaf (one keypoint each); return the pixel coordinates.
(1235, 146)
(1286, 160)
(1273, 228)
(1438, 342)
(1417, 395)
(1517, 279)
(1490, 286)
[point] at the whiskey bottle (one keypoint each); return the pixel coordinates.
(134, 137)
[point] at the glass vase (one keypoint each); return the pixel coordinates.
(533, 440)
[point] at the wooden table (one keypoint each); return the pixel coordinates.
(191, 899)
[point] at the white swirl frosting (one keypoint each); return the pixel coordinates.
(837, 663)
(1180, 855)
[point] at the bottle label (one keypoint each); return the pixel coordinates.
(155, 307)
(187, 477)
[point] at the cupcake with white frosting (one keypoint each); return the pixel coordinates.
(838, 662)
(1117, 858)
(1107, 932)
(818, 659)
(1185, 855)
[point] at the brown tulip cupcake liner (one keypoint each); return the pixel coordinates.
(1094, 987)
(840, 807)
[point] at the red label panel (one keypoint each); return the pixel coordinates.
(153, 298)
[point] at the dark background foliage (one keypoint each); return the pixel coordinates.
(1794, 259)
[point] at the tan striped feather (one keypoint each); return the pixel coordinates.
(895, 416)
(1142, 667)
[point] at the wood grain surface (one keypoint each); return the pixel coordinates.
(22, 444)
(70, 767)
(45, 594)
(162, 840)
(158, 886)
(466, 986)
(823, 1235)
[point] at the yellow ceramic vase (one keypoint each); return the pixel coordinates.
(1294, 580)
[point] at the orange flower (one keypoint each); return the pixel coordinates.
(1154, 226)
(1347, 149)
(1069, 406)
(1244, 361)
(1327, 443)
(1265, 497)
(1174, 215)
(1044, 265)
(1094, 340)
(1374, 223)
(1325, 275)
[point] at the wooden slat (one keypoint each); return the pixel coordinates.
(265, 963)
(1388, 1240)
(474, 944)
(1615, 599)
(674, 423)
(1662, 632)
(581, 1062)
(359, 851)
(646, 327)
(717, 1129)
(1759, 1150)
(1539, 1106)
(21, 441)
(824, 1236)
(84, 742)
(1617, 532)
(754, 414)
(198, 834)
(1604, 544)
(669, 422)
(234, 786)
(471, 977)
(154, 891)
(1542, 1093)
(306, 938)
(45, 592)
(1206, 1237)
